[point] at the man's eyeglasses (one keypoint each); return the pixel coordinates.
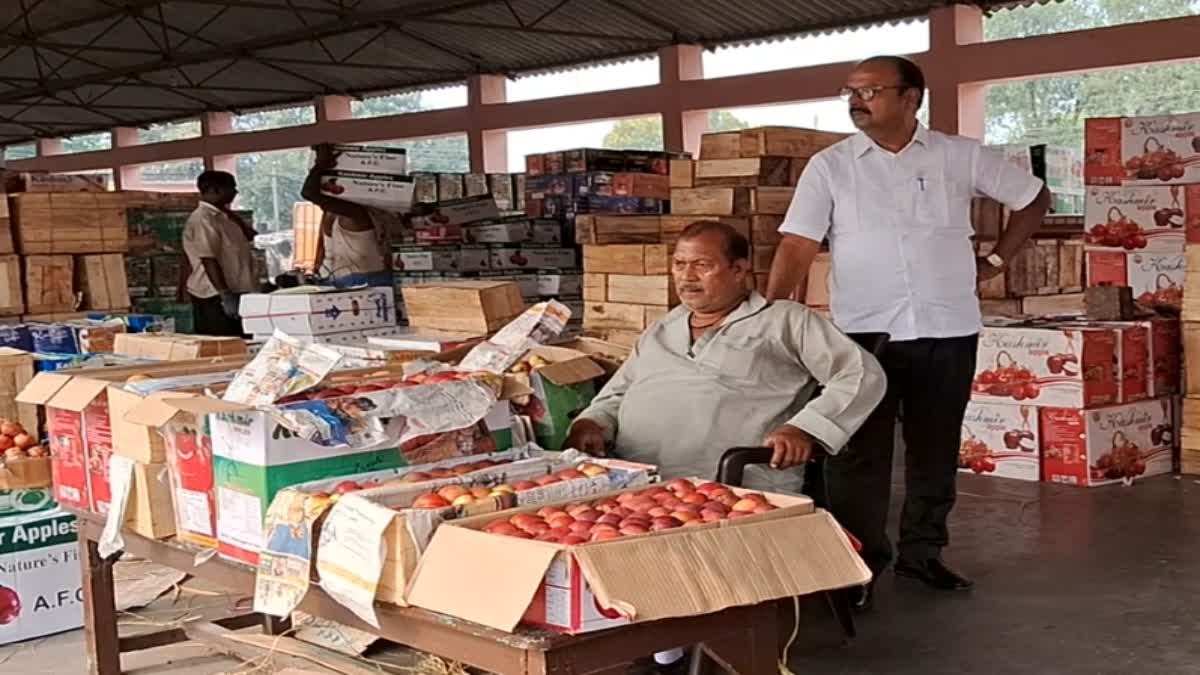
(865, 93)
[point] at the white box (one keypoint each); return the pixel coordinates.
(474, 259)
(1053, 366)
(1152, 150)
(1156, 278)
(546, 232)
(40, 584)
(427, 259)
(390, 193)
(318, 313)
(500, 233)
(370, 159)
(1151, 218)
(457, 212)
(1000, 440)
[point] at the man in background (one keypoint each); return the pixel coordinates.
(353, 244)
(219, 254)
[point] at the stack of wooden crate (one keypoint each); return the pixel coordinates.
(1190, 412)
(62, 253)
(626, 274)
(1046, 277)
(746, 178)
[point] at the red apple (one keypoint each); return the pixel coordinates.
(536, 528)
(564, 521)
(746, 505)
(695, 523)
(571, 474)
(346, 486)
(609, 519)
(622, 511)
(606, 504)
(480, 492)
(664, 523)
(658, 511)
(431, 501)
(573, 509)
(654, 492)
(672, 503)
(605, 535)
(693, 508)
(728, 499)
(715, 506)
(711, 516)
(523, 520)
(546, 536)
(463, 500)
(558, 532)
(739, 514)
(641, 504)
(573, 539)
(680, 485)
(626, 496)
(580, 526)
(547, 511)
(519, 534)
(694, 498)
(763, 508)
(685, 516)
(633, 528)
(523, 485)
(505, 529)
(548, 480)
(590, 515)
(662, 497)
(452, 492)
(707, 488)
(638, 519)
(756, 496)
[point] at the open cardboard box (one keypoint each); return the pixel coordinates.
(410, 530)
(561, 389)
(80, 429)
(794, 550)
(26, 473)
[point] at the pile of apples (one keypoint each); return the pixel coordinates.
(417, 476)
(16, 443)
(678, 503)
(367, 388)
(460, 495)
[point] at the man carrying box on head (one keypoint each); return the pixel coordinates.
(219, 254)
(730, 369)
(354, 242)
(894, 201)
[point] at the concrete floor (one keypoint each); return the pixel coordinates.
(1068, 581)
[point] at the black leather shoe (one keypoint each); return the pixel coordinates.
(934, 573)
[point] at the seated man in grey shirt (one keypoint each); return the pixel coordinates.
(726, 369)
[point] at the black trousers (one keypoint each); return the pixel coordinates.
(209, 318)
(929, 384)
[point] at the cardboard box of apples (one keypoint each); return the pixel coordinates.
(684, 548)
(425, 496)
(24, 464)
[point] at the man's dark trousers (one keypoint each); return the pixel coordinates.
(929, 384)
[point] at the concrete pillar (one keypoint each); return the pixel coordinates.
(681, 128)
(487, 148)
(49, 146)
(954, 108)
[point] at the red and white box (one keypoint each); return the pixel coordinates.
(1166, 356)
(1000, 440)
(68, 464)
(1157, 279)
(1107, 445)
(1152, 218)
(1133, 360)
(1156, 150)
(1070, 367)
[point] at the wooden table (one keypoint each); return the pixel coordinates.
(743, 640)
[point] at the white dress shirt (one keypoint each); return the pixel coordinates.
(210, 233)
(899, 229)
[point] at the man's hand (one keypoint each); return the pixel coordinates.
(986, 270)
(792, 446)
(586, 436)
(325, 158)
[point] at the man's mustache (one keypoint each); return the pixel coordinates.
(854, 109)
(690, 287)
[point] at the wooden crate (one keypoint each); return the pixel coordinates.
(1034, 269)
(636, 259)
(673, 225)
(765, 230)
(1005, 307)
(469, 306)
(682, 173)
(1190, 437)
(76, 222)
(744, 172)
(1046, 258)
(1052, 305)
(6, 233)
(102, 281)
(1071, 277)
(624, 338)
(784, 142)
(721, 145)
(615, 316)
(595, 287)
(56, 317)
(618, 229)
(50, 284)
(987, 218)
(16, 370)
(731, 201)
(1191, 358)
(641, 290)
(761, 257)
(995, 288)
(12, 295)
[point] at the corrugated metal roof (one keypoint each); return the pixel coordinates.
(74, 66)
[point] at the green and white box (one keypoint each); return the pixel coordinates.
(40, 583)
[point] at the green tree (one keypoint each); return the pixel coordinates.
(646, 133)
(1052, 110)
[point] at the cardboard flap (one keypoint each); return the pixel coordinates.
(78, 393)
(158, 409)
(480, 577)
(699, 571)
(42, 388)
(567, 366)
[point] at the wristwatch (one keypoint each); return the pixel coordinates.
(995, 260)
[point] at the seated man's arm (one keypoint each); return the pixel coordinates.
(853, 381)
(597, 424)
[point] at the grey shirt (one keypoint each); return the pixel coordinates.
(681, 405)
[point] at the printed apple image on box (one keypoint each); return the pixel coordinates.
(1157, 279)
(1142, 150)
(1000, 440)
(1050, 366)
(1141, 218)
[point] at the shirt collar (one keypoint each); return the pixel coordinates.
(863, 143)
(753, 304)
(211, 207)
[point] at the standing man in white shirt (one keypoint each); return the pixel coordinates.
(219, 253)
(894, 202)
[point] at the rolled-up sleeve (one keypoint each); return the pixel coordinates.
(606, 406)
(810, 213)
(853, 382)
(996, 177)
